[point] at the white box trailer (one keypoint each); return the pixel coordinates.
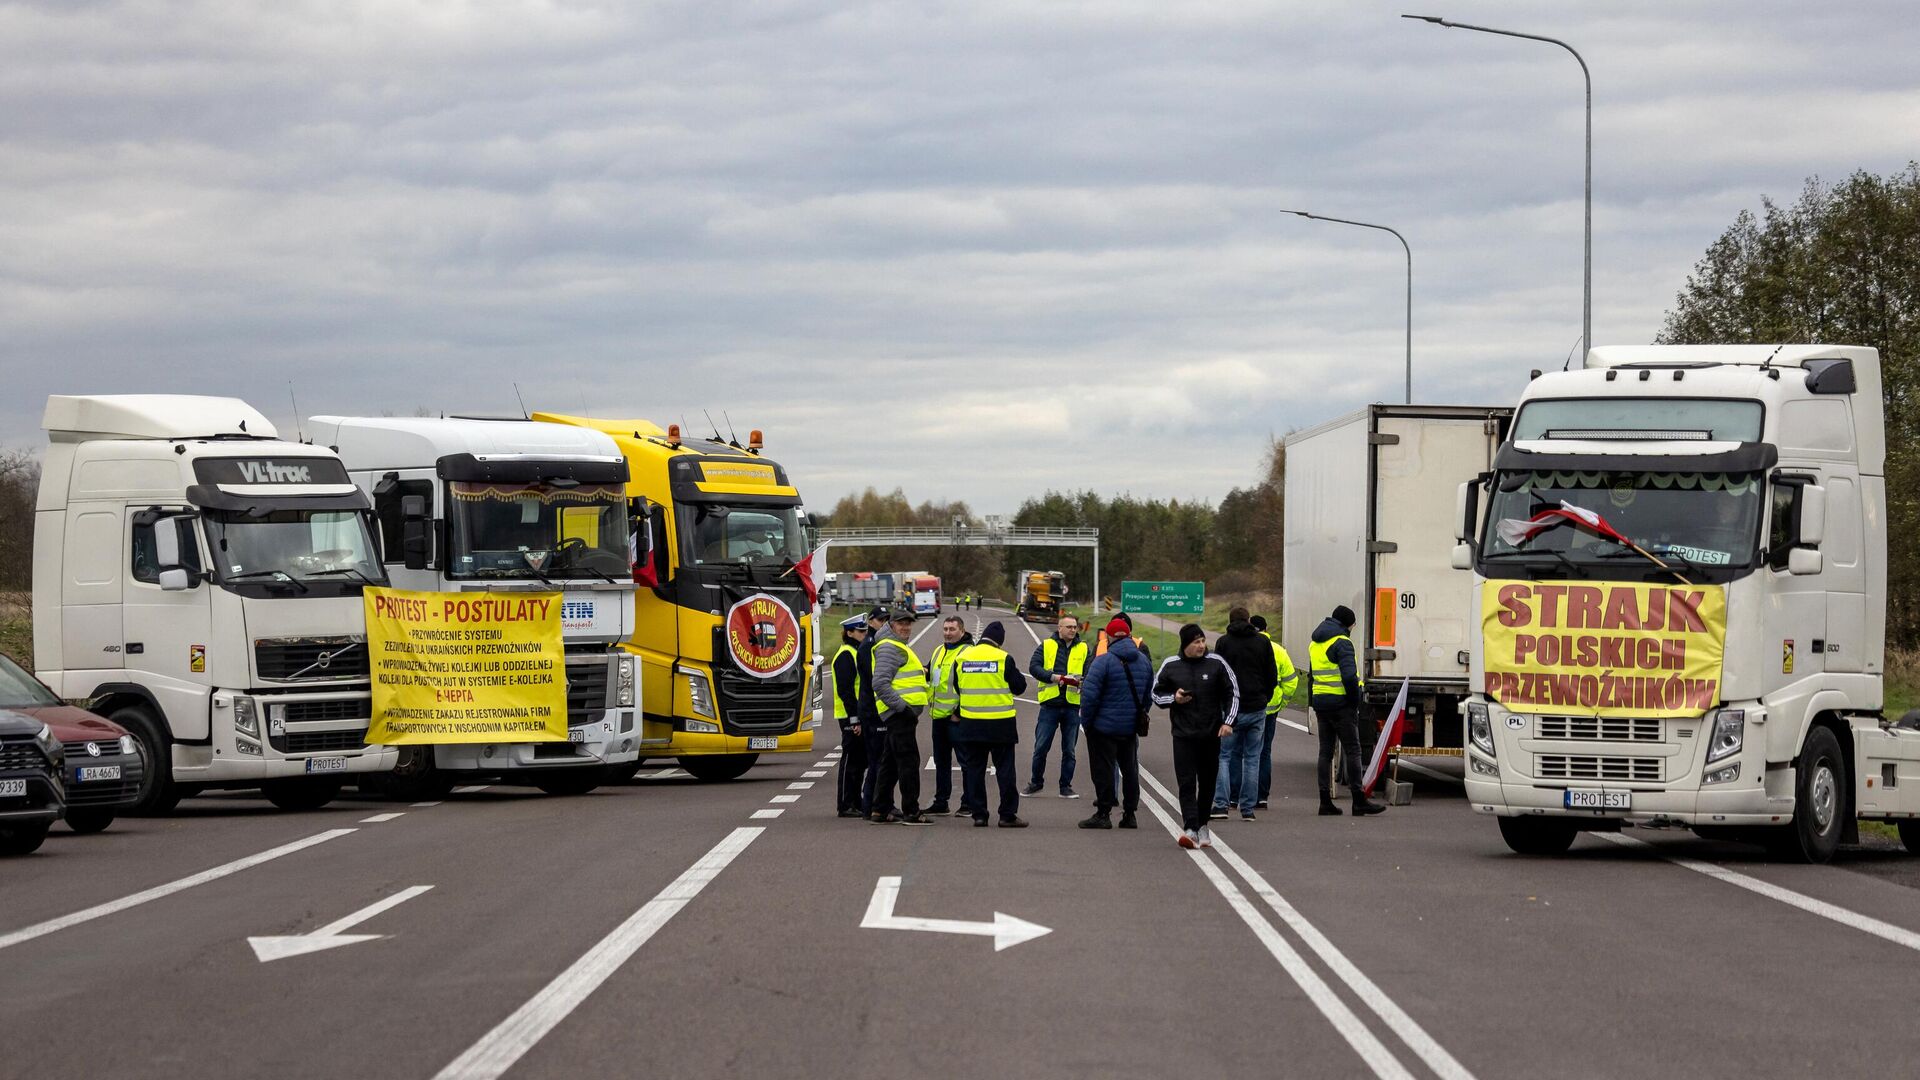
(1369, 513)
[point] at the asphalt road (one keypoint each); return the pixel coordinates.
(683, 929)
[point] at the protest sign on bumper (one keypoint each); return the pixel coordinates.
(466, 667)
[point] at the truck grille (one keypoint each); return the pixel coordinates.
(587, 691)
(319, 742)
(296, 712)
(750, 706)
(1584, 767)
(16, 754)
(315, 658)
(1601, 728)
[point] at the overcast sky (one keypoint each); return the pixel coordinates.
(972, 250)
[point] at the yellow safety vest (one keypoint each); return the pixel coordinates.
(946, 695)
(1076, 665)
(910, 682)
(839, 706)
(1326, 673)
(1283, 664)
(979, 677)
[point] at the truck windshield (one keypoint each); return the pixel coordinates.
(19, 690)
(1639, 418)
(717, 534)
(1694, 521)
(538, 530)
(293, 547)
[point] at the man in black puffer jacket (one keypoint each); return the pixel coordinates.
(1250, 654)
(1198, 690)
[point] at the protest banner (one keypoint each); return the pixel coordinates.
(1603, 648)
(465, 667)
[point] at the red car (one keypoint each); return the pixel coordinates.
(104, 768)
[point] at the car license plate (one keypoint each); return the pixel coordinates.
(1599, 800)
(763, 742)
(13, 789)
(326, 764)
(87, 773)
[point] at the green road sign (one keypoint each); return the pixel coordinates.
(1163, 597)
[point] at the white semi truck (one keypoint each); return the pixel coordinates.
(1720, 490)
(468, 504)
(198, 580)
(1363, 495)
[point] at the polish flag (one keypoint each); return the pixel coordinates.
(1516, 531)
(646, 572)
(1389, 738)
(811, 571)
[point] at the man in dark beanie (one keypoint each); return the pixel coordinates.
(984, 729)
(1335, 679)
(1198, 690)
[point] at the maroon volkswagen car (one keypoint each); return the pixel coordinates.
(103, 764)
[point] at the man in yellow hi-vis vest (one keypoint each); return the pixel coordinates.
(954, 639)
(901, 691)
(1059, 663)
(986, 732)
(1289, 678)
(1333, 672)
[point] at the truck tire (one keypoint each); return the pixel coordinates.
(1537, 835)
(23, 839)
(1820, 803)
(299, 793)
(577, 781)
(714, 768)
(158, 793)
(86, 822)
(415, 778)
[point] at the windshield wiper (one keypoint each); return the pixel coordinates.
(1675, 556)
(345, 570)
(1531, 553)
(284, 578)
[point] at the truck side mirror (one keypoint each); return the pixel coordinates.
(1813, 515)
(1463, 556)
(414, 542)
(1804, 561)
(1465, 503)
(175, 579)
(166, 543)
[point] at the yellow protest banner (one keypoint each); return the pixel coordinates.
(466, 667)
(1603, 648)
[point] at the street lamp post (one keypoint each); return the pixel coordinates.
(1586, 280)
(1409, 251)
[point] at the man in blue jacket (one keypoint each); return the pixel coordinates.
(1117, 689)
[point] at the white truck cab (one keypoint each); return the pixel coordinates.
(470, 504)
(1757, 470)
(198, 580)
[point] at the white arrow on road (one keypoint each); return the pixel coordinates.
(330, 935)
(1005, 930)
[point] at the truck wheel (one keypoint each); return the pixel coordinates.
(300, 793)
(415, 778)
(714, 768)
(1537, 836)
(158, 793)
(23, 839)
(572, 781)
(1820, 803)
(1910, 836)
(86, 822)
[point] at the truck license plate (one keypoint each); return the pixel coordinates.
(763, 742)
(86, 773)
(326, 764)
(1599, 800)
(13, 789)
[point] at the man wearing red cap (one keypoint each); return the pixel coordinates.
(1113, 697)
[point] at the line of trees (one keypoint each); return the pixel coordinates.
(19, 483)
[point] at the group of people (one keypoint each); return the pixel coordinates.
(1222, 703)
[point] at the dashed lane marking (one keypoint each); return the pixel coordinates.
(764, 814)
(784, 799)
(377, 818)
(800, 785)
(424, 805)
(497, 1051)
(114, 907)
(814, 774)
(471, 789)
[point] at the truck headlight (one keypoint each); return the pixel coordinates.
(1480, 727)
(1722, 775)
(245, 719)
(700, 691)
(623, 682)
(703, 727)
(1729, 734)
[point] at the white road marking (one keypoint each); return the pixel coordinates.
(333, 935)
(1371, 1050)
(471, 789)
(1867, 924)
(818, 773)
(114, 907)
(915, 640)
(784, 799)
(1030, 630)
(1005, 930)
(1294, 724)
(378, 818)
(664, 774)
(497, 1051)
(800, 785)
(768, 813)
(423, 805)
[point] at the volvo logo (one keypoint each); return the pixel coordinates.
(93, 749)
(326, 658)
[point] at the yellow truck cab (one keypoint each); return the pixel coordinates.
(725, 631)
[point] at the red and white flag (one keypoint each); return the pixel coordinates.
(646, 572)
(1516, 531)
(811, 571)
(1389, 738)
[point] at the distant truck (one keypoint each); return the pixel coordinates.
(484, 505)
(1363, 492)
(197, 581)
(926, 595)
(1039, 595)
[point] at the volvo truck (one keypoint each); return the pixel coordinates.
(197, 580)
(1679, 559)
(722, 627)
(1363, 494)
(485, 505)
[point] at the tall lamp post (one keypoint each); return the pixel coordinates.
(1409, 251)
(1586, 306)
